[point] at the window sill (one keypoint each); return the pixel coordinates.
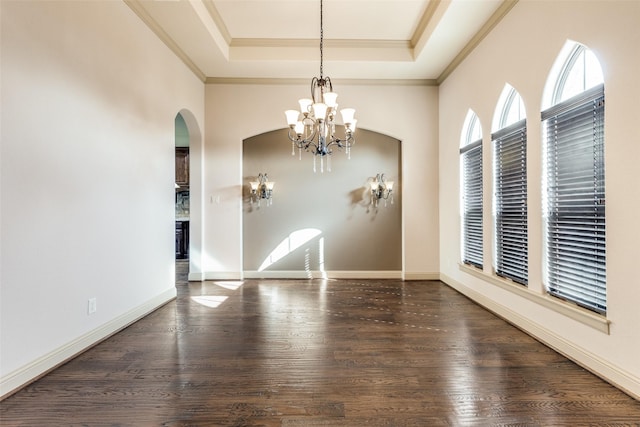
(572, 311)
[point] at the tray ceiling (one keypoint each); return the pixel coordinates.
(279, 39)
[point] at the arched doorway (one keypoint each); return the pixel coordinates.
(188, 144)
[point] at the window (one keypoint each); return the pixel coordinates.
(471, 169)
(510, 187)
(574, 178)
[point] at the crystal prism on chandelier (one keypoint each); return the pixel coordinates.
(313, 128)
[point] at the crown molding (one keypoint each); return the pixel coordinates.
(217, 19)
(425, 19)
(313, 43)
(350, 82)
(135, 6)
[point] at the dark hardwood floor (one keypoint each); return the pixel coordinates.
(320, 353)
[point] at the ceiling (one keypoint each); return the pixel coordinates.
(227, 40)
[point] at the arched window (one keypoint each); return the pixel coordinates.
(576, 69)
(574, 179)
(509, 138)
(471, 180)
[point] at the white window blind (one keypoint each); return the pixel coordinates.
(510, 174)
(472, 203)
(575, 199)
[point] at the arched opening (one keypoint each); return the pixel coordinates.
(187, 194)
(322, 224)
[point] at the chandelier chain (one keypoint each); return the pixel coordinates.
(321, 39)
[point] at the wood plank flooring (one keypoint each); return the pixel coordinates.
(320, 353)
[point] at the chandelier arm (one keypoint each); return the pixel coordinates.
(314, 85)
(306, 144)
(328, 83)
(302, 142)
(348, 141)
(293, 136)
(308, 139)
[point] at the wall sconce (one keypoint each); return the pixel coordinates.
(381, 189)
(262, 189)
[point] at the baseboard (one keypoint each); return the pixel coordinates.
(621, 379)
(222, 275)
(195, 277)
(21, 377)
(323, 274)
(421, 276)
(297, 274)
(214, 275)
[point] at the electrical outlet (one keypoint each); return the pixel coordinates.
(92, 306)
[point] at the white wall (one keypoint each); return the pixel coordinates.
(529, 38)
(89, 97)
(236, 112)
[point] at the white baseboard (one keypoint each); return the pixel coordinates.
(19, 378)
(297, 274)
(621, 379)
(195, 277)
(323, 274)
(222, 275)
(421, 276)
(214, 275)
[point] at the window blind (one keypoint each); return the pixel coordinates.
(472, 203)
(510, 174)
(575, 200)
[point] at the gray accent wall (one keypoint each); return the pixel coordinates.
(321, 221)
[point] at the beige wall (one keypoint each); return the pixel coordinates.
(89, 98)
(234, 113)
(520, 51)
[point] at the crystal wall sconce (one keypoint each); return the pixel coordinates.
(381, 189)
(262, 189)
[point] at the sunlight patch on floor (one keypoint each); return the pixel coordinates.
(211, 301)
(230, 285)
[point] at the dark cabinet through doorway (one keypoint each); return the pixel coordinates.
(182, 239)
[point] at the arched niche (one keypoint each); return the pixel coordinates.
(322, 224)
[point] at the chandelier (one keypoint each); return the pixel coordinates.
(313, 128)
